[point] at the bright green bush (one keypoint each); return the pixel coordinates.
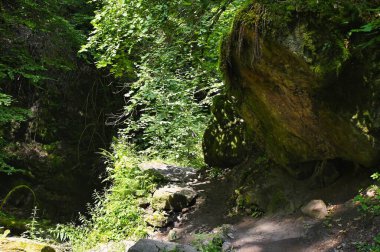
(167, 53)
(116, 214)
(369, 200)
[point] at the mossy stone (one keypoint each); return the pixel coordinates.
(23, 245)
(172, 198)
(157, 219)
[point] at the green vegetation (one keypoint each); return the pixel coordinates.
(151, 70)
(369, 199)
(8, 114)
(326, 50)
(116, 214)
(211, 242)
(166, 53)
(37, 41)
(369, 204)
(9, 194)
(370, 31)
(374, 247)
(53, 104)
(169, 64)
(8, 221)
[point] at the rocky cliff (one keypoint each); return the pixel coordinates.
(302, 86)
(305, 86)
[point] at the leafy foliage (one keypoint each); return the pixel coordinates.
(30, 34)
(369, 199)
(370, 31)
(36, 41)
(373, 247)
(211, 242)
(369, 204)
(68, 99)
(8, 114)
(116, 214)
(166, 52)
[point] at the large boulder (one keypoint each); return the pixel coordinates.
(306, 90)
(173, 198)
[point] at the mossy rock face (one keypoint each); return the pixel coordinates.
(225, 139)
(23, 245)
(300, 84)
(266, 187)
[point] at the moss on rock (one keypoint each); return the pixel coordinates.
(225, 139)
(23, 245)
(298, 81)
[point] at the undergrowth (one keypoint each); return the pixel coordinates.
(369, 204)
(369, 200)
(116, 214)
(209, 242)
(374, 247)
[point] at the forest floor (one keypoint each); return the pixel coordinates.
(343, 229)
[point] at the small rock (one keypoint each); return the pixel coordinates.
(173, 235)
(341, 246)
(169, 172)
(147, 245)
(315, 209)
(157, 219)
(227, 246)
(371, 192)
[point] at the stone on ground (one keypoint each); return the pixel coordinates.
(173, 235)
(173, 198)
(169, 172)
(227, 246)
(315, 209)
(14, 244)
(121, 246)
(157, 219)
(147, 245)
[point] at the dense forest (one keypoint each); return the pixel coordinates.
(221, 125)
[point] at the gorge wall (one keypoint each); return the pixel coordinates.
(305, 86)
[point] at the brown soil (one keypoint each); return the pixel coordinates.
(344, 227)
(340, 231)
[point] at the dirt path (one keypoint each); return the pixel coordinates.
(211, 209)
(271, 234)
(295, 232)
